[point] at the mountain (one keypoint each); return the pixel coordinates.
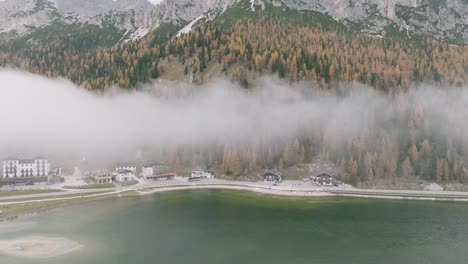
(132, 18)
(441, 19)
(241, 44)
(100, 43)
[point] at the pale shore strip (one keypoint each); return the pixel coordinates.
(258, 188)
(255, 189)
(78, 196)
(448, 199)
(394, 195)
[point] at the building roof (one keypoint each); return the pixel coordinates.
(126, 165)
(105, 175)
(198, 169)
(323, 172)
(153, 164)
(325, 175)
(26, 161)
(161, 175)
(23, 161)
(124, 171)
(272, 172)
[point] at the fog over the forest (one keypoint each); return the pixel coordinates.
(57, 118)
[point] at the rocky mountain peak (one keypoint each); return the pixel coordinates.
(442, 19)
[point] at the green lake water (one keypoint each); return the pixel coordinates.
(223, 227)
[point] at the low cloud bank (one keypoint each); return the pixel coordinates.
(57, 118)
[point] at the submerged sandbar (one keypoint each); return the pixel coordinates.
(38, 247)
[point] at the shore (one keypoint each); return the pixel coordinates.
(270, 191)
(11, 206)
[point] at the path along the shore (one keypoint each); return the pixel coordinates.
(304, 189)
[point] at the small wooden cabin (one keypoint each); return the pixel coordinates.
(202, 173)
(324, 180)
(272, 176)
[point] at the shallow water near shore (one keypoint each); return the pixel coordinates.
(208, 226)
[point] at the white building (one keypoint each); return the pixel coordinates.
(57, 171)
(126, 166)
(19, 168)
(157, 171)
(152, 169)
(124, 175)
(201, 173)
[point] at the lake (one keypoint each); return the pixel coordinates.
(241, 227)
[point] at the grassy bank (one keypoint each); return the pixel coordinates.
(91, 186)
(26, 192)
(127, 183)
(31, 206)
(52, 196)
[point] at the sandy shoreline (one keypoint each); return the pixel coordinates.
(38, 247)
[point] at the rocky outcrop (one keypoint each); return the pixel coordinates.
(433, 187)
(19, 16)
(442, 19)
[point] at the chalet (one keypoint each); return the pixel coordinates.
(201, 173)
(324, 179)
(124, 175)
(272, 176)
(157, 172)
(126, 166)
(102, 178)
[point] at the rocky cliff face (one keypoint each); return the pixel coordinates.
(442, 19)
(124, 14)
(20, 16)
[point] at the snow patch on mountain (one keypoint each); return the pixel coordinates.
(137, 34)
(155, 2)
(188, 27)
(252, 5)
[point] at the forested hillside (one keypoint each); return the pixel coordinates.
(301, 47)
(296, 45)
